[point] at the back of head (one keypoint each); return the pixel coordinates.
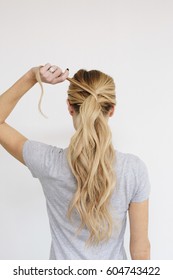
(91, 155)
(90, 84)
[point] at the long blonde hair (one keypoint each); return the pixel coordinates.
(91, 154)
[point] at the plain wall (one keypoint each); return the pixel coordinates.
(130, 40)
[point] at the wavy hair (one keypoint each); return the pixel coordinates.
(91, 154)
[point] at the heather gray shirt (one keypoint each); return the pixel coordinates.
(49, 164)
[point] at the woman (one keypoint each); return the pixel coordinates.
(89, 186)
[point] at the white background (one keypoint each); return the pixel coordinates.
(130, 40)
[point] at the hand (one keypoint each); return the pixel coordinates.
(52, 74)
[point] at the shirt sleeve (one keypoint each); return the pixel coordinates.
(41, 159)
(143, 186)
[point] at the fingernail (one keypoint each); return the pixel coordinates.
(67, 69)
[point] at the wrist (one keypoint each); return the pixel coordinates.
(31, 74)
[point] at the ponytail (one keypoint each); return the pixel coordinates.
(91, 157)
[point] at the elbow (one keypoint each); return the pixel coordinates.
(140, 251)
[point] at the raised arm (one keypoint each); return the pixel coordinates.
(11, 139)
(9, 98)
(139, 242)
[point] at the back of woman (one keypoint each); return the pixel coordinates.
(90, 186)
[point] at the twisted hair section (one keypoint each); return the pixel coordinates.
(38, 78)
(91, 154)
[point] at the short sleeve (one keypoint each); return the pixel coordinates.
(41, 159)
(143, 186)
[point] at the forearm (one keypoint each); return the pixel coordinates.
(140, 255)
(9, 98)
(140, 252)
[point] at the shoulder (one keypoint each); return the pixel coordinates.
(135, 173)
(133, 167)
(42, 159)
(129, 160)
(39, 150)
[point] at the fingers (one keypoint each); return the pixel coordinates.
(53, 74)
(45, 68)
(62, 77)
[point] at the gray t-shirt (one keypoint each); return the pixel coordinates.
(49, 164)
